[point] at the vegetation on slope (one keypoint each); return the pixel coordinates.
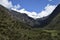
(12, 29)
(55, 23)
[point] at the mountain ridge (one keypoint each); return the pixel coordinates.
(55, 20)
(12, 28)
(49, 18)
(34, 23)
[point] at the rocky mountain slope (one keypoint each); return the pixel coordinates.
(50, 19)
(17, 26)
(54, 19)
(24, 18)
(40, 22)
(35, 23)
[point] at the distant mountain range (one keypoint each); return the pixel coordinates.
(34, 23)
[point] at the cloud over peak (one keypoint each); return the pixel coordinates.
(47, 10)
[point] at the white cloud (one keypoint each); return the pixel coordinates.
(6, 3)
(47, 10)
(31, 14)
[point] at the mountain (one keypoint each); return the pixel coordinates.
(7, 19)
(15, 26)
(34, 23)
(24, 18)
(54, 19)
(51, 18)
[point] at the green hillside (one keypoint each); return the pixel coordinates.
(13, 29)
(55, 23)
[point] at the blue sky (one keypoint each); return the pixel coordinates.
(33, 8)
(34, 5)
